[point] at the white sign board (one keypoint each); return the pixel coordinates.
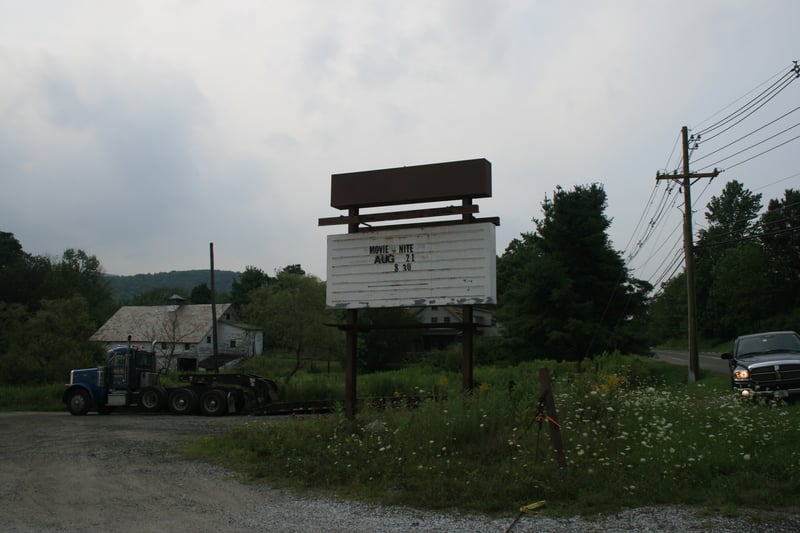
(436, 265)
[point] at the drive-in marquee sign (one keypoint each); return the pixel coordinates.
(411, 264)
(420, 266)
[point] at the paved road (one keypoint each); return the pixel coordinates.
(710, 361)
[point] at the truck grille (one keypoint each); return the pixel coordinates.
(776, 376)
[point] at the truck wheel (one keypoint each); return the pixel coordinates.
(182, 401)
(78, 402)
(150, 400)
(214, 402)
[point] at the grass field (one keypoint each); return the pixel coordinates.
(634, 433)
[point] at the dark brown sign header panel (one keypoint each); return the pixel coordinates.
(408, 185)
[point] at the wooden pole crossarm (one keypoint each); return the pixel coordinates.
(692, 175)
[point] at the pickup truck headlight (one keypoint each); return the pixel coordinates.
(741, 373)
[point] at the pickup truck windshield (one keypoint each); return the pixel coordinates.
(788, 342)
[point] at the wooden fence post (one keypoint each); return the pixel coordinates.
(553, 425)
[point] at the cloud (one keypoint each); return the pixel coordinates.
(141, 131)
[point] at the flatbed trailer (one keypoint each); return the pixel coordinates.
(129, 379)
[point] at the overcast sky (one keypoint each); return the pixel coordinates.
(142, 131)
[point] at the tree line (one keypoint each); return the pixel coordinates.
(48, 309)
(563, 293)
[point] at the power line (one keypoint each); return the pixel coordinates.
(653, 223)
(780, 73)
(747, 135)
(672, 267)
(676, 244)
(789, 76)
(641, 217)
(751, 237)
(778, 181)
(757, 155)
(753, 146)
(654, 219)
(742, 119)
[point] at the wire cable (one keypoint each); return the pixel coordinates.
(747, 135)
(786, 78)
(753, 157)
(778, 181)
(742, 119)
(781, 73)
(754, 145)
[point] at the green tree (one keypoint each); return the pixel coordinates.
(251, 279)
(294, 269)
(48, 310)
(12, 317)
(732, 220)
(564, 292)
(78, 273)
(50, 342)
(22, 276)
(292, 313)
(780, 226)
(535, 296)
(731, 216)
(668, 311)
(13, 269)
(740, 294)
(201, 294)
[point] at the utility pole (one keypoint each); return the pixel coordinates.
(214, 340)
(685, 180)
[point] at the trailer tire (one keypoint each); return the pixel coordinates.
(151, 400)
(214, 402)
(78, 402)
(239, 401)
(182, 401)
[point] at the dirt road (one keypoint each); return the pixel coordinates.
(118, 473)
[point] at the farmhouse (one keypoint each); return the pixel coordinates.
(181, 335)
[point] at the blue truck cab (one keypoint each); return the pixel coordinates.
(128, 378)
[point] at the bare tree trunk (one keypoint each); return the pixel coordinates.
(297, 353)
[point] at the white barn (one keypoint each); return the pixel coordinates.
(182, 335)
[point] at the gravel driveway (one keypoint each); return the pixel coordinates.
(117, 473)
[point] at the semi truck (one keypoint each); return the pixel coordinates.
(129, 379)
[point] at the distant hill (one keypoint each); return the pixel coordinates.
(123, 288)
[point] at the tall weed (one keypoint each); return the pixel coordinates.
(634, 433)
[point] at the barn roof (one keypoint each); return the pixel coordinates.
(160, 323)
